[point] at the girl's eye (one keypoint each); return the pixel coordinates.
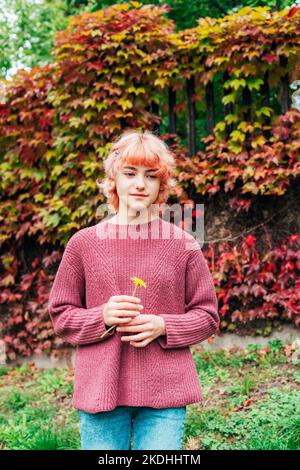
(132, 174)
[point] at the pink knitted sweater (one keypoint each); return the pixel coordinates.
(98, 263)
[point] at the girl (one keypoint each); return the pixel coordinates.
(134, 371)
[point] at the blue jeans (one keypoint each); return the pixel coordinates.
(144, 427)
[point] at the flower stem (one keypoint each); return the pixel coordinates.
(113, 326)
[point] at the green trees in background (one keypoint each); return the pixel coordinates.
(27, 27)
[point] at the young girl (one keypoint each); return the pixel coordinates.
(134, 371)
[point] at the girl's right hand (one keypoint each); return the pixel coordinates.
(121, 309)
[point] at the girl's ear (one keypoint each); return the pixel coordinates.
(112, 183)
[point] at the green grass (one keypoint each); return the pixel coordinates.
(35, 409)
(251, 401)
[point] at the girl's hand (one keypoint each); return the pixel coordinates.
(121, 309)
(147, 327)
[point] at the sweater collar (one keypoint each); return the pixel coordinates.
(141, 228)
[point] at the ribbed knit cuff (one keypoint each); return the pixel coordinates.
(80, 326)
(173, 326)
(183, 330)
(94, 326)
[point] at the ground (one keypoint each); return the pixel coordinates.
(251, 401)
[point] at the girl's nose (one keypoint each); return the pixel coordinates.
(140, 182)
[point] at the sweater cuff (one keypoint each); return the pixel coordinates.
(95, 326)
(80, 326)
(173, 327)
(183, 330)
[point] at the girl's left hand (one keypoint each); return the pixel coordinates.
(148, 328)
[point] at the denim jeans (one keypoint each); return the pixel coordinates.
(133, 428)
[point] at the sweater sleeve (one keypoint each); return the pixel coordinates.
(71, 321)
(201, 318)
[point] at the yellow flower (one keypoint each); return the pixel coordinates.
(138, 282)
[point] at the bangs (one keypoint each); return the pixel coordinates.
(137, 154)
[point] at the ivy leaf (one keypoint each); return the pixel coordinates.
(264, 111)
(254, 83)
(238, 83)
(235, 147)
(230, 118)
(231, 98)
(237, 135)
(125, 104)
(53, 220)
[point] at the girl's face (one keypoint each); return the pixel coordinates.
(134, 180)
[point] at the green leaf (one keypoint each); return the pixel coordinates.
(221, 126)
(229, 98)
(125, 104)
(254, 83)
(75, 122)
(237, 135)
(235, 147)
(53, 220)
(39, 175)
(102, 105)
(89, 102)
(238, 82)
(230, 118)
(265, 110)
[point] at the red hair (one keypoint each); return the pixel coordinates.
(135, 147)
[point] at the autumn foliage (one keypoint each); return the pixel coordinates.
(56, 126)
